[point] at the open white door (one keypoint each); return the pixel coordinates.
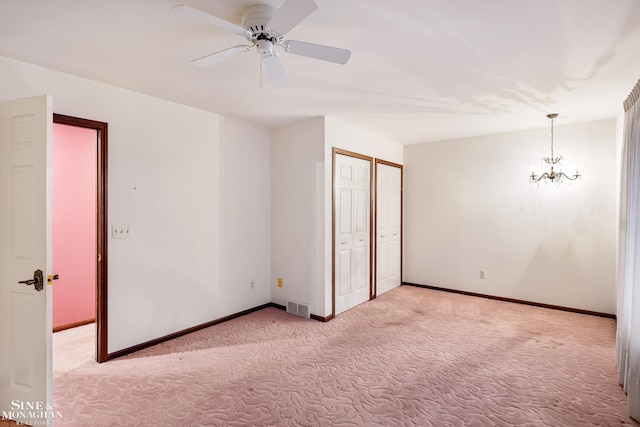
(25, 248)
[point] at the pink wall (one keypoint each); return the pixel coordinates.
(74, 224)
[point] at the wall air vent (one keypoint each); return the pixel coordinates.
(299, 309)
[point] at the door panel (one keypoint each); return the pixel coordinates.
(23, 369)
(395, 228)
(382, 234)
(394, 262)
(383, 209)
(361, 205)
(25, 246)
(388, 227)
(344, 211)
(362, 267)
(382, 269)
(352, 206)
(344, 272)
(21, 188)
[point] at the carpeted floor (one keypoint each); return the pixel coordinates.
(72, 348)
(410, 357)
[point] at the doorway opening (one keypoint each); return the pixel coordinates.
(101, 229)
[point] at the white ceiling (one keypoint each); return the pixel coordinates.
(420, 70)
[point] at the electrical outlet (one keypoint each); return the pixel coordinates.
(253, 285)
(279, 282)
(483, 274)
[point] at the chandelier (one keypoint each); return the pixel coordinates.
(552, 162)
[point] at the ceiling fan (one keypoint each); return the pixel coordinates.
(264, 27)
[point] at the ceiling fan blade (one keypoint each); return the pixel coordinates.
(318, 51)
(214, 58)
(275, 69)
(220, 23)
(290, 14)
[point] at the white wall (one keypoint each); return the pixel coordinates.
(245, 214)
(297, 213)
(164, 180)
(469, 206)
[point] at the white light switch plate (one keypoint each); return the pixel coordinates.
(121, 231)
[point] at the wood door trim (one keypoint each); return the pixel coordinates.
(347, 153)
(401, 167)
(101, 128)
(73, 325)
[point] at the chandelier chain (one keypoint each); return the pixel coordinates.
(552, 140)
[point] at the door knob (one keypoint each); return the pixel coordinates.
(37, 281)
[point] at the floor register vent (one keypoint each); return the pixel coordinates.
(299, 309)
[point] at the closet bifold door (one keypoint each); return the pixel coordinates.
(388, 226)
(352, 211)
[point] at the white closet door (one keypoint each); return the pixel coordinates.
(389, 227)
(352, 230)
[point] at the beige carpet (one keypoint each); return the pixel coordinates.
(411, 357)
(72, 348)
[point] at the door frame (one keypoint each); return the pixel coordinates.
(335, 152)
(101, 128)
(375, 226)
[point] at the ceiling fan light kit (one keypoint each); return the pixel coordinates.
(264, 27)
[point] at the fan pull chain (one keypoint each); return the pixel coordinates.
(260, 59)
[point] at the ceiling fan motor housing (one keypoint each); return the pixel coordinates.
(255, 18)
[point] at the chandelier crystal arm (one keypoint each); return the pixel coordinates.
(553, 176)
